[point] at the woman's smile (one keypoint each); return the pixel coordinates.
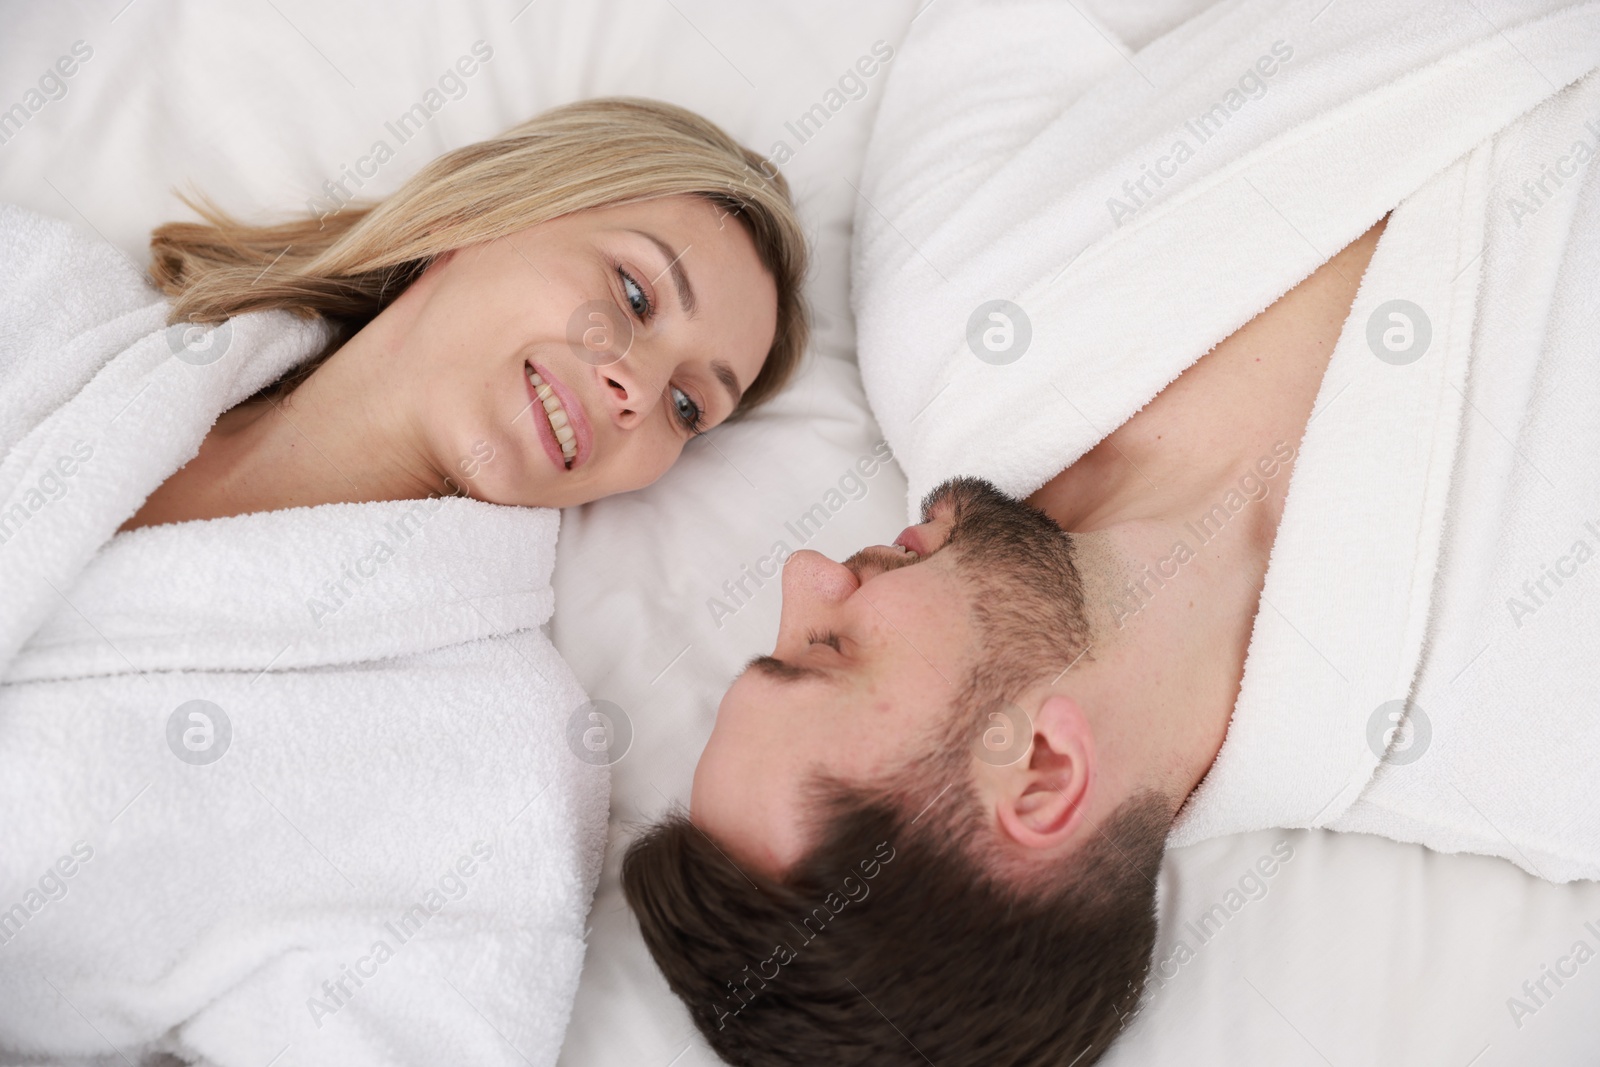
(564, 428)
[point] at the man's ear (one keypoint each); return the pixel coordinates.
(1040, 803)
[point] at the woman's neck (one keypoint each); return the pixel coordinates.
(325, 443)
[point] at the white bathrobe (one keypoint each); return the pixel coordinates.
(1426, 660)
(297, 787)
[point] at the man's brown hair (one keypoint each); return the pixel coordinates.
(888, 944)
(894, 940)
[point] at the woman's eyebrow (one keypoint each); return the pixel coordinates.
(680, 277)
(730, 381)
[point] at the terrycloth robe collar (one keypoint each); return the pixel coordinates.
(303, 587)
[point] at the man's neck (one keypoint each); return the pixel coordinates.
(1179, 507)
(1249, 396)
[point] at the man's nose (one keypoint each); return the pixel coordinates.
(813, 588)
(814, 578)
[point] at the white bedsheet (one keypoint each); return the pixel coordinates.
(1358, 951)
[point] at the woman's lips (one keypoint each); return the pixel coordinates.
(577, 419)
(541, 426)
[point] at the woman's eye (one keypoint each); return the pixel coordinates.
(687, 411)
(637, 300)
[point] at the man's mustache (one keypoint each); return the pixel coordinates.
(877, 559)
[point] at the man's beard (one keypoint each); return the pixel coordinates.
(1027, 601)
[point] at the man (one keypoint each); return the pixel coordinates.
(980, 681)
(926, 827)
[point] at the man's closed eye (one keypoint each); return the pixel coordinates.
(824, 637)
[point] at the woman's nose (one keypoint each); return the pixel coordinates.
(629, 389)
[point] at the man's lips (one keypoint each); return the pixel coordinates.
(912, 537)
(577, 419)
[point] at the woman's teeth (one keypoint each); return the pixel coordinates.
(557, 416)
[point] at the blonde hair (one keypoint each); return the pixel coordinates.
(348, 266)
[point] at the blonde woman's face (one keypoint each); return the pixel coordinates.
(576, 358)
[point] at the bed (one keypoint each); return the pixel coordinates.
(1354, 950)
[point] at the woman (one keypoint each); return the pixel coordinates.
(285, 756)
(588, 251)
